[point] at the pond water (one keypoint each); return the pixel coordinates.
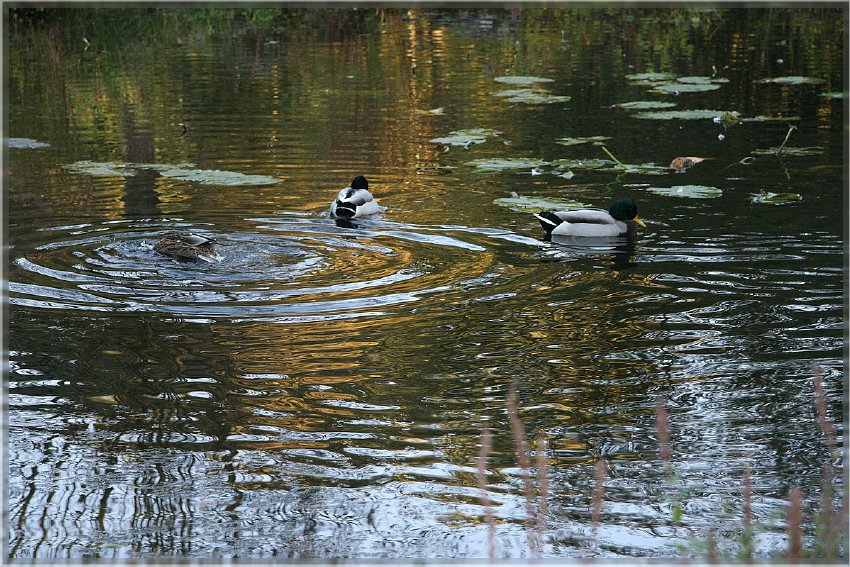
(320, 391)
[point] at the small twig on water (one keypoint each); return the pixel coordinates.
(522, 452)
(480, 475)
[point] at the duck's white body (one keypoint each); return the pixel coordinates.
(355, 201)
(582, 222)
(593, 222)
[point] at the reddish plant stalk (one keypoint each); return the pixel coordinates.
(481, 476)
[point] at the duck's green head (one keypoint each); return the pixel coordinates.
(625, 210)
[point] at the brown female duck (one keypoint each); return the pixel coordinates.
(186, 246)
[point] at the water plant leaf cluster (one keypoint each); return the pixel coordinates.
(25, 144)
(535, 95)
(522, 203)
(180, 171)
(687, 191)
(581, 140)
(769, 198)
(668, 83)
(644, 105)
(466, 137)
(793, 80)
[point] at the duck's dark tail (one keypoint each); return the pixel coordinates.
(548, 221)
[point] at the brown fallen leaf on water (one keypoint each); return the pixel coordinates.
(680, 164)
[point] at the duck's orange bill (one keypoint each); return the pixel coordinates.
(639, 222)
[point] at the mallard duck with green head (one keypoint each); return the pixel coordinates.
(184, 246)
(620, 220)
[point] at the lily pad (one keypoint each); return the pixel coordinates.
(26, 144)
(502, 164)
(793, 80)
(521, 203)
(650, 77)
(182, 171)
(466, 137)
(217, 177)
(668, 88)
(789, 151)
(644, 105)
(702, 80)
(101, 169)
(768, 198)
(683, 114)
(687, 191)
(519, 80)
(529, 96)
(762, 118)
(584, 163)
(581, 140)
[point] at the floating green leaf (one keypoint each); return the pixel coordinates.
(529, 96)
(684, 114)
(584, 163)
(26, 144)
(769, 198)
(651, 77)
(687, 191)
(523, 204)
(100, 169)
(702, 80)
(181, 171)
(644, 105)
(834, 95)
(581, 140)
(789, 151)
(762, 118)
(466, 137)
(793, 80)
(519, 80)
(216, 177)
(501, 164)
(668, 88)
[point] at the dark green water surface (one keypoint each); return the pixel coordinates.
(320, 391)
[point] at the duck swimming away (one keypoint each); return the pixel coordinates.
(186, 247)
(355, 201)
(620, 220)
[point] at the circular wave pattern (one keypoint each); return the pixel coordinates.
(288, 268)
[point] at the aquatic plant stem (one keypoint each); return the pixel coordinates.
(598, 494)
(543, 487)
(522, 454)
(618, 162)
(791, 128)
(481, 476)
(795, 524)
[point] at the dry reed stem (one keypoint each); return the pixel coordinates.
(481, 476)
(522, 452)
(711, 546)
(662, 426)
(598, 494)
(748, 513)
(543, 486)
(795, 524)
(823, 420)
